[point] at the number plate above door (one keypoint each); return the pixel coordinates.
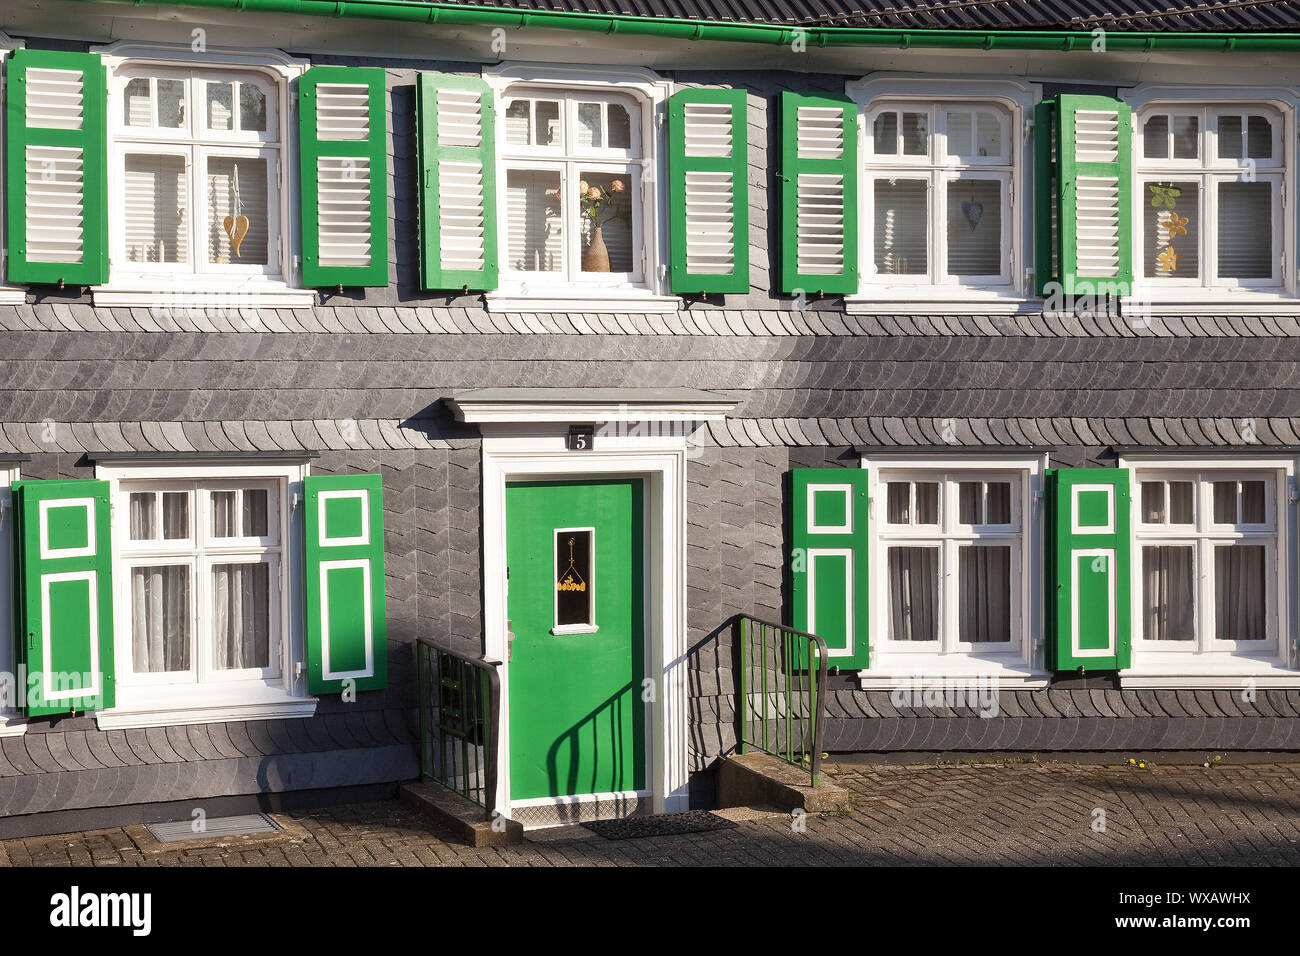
(580, 438)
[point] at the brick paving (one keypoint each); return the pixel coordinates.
(999, 814)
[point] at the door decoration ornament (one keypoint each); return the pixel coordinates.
(972, 209)
(567, 580)
(1168, 225)
(236, 226)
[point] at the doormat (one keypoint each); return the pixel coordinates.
(663, 824)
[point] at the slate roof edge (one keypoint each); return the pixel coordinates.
(755, 30)
(1257, 448)
(106, 457)
(963, 450)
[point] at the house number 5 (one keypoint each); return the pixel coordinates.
(580, 438)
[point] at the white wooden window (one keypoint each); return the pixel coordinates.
(939, 193)
(1206, 559)
(1210, 196)
(196, 165)
(572, 165)
(949, 569)
(201, 585)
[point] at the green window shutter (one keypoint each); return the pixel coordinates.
(708, 191)
(344, 556)
(1089, 563)
(57, 145)
(343, 134)
(828, 560)
(457, 190)
(1094, 173)
(819, 194)
(1046, 240)
(63, 586)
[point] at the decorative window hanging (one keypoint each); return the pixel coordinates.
(573, 593)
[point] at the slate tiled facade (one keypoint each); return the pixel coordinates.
(361, 377)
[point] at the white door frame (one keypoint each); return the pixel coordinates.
(518, 452)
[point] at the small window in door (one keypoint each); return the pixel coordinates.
(574, 606)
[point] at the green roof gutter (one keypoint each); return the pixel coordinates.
(454, 14)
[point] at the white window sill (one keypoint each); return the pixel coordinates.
(1209, 302)
(153, 707)
(12, 295)
(210, 294)
(922, 671)
(12, 725)
(1206, 672)
(578, 299)
(927, 300)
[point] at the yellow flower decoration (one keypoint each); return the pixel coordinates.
(1168, 260)
(1176, 225)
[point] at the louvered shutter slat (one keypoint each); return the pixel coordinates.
(57, 188)
(457, 192)
(709, 191)
(1092, 167)
(344, 129)
(818, 181)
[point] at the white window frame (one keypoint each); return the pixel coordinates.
(901, 664)
(1010, 293)
(12, 723)
(9, 294)
(1205, 662)
(553, 292)
(148, 700)
(1205, 294)
(169, 287)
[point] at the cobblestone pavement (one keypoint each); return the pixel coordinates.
(1022, 813)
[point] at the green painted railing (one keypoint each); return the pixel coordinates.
(781, 708)
(460, 718)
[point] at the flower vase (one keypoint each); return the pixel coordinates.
(596, 258)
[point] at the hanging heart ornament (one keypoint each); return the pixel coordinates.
(236, 229)
(973, 210)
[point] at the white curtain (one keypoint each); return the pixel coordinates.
(1239, 592)
(1168, 593)
(984, 593)
(241, 615)
(160, 617)
(913, 594)
(233, 517)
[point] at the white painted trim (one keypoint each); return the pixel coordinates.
(526, 452)
(1028, 616)
(169, 297)
(137, 290)
(1212, 303)
(290, 707)
(516, 412)
(324, 541)
(574, 300)
(590, 627)
(284, 695)
(1196, 667)
(367, 611)
(1113, 579)
(923, 302)
(850, 642)
(1018, 98)
(1109, 526)
(1157, 298)
(652, 293)
(9, 294)
(43, 521)
(95, 688)
(813, 526)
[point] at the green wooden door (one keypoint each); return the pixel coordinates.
(577, 605)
